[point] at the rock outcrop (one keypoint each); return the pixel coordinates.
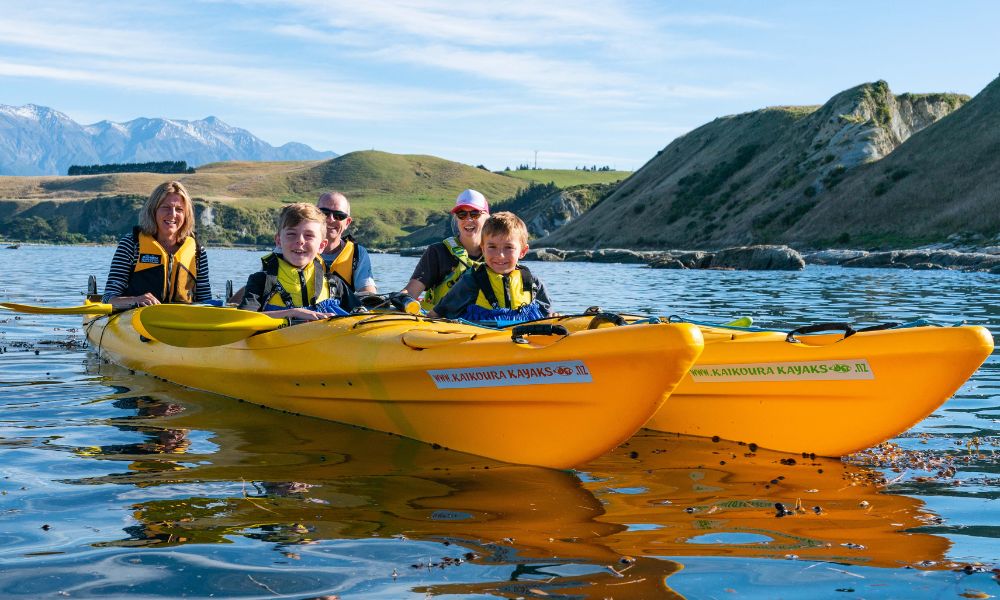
(773, 258)
(908, 259)
(758, 258)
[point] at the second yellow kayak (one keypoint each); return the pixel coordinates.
(826, 394)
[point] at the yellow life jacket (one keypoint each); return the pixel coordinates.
(344, 263)
(433, 295)
(504, 298)
(169, 277)
(290, 287)
(503, 291)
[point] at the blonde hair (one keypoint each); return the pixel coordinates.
(506, 224)
(296, 213)
(147, 215)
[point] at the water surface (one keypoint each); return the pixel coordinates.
(114, 484)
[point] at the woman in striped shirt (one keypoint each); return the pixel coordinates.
(160, 261)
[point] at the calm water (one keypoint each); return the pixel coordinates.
(118, 485)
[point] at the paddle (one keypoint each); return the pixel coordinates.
(192, 326)
(86, 309)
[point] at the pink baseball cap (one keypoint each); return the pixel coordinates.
(471, 200)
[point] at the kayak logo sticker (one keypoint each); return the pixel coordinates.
(568, 371)
(813, 370)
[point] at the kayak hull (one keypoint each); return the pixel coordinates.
(554, 401)
(825, 394)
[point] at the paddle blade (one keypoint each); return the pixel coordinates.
(191, 326)
(86, 309)
(740, 322)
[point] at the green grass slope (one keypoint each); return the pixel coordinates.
(394, 194)
(688, 190)
(391, 194)
(565, 178)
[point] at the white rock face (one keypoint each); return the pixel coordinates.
(866, 123)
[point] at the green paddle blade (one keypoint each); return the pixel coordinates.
(86, 309)
(740, 322)
(188, 326)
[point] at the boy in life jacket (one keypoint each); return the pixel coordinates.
(292, 282)
(499, 290)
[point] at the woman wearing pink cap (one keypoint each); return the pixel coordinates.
(444, 262)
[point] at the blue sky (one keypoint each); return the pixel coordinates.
(581, 82)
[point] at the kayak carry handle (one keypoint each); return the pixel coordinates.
(818, 327)
(880, 327)
(519, 331)
(398, 301)
(606, 317)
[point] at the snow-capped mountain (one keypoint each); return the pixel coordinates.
(36, 140)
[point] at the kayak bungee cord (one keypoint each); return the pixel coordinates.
(89, 324)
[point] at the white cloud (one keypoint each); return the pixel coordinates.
(578, 65)
(258, 87)
(595, 53)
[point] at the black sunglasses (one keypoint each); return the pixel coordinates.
(465, 214)
(336, 214)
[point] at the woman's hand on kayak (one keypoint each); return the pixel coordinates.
(301, 314)
(126, 302)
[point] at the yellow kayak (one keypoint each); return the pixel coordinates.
(825, 394)
(549, 399)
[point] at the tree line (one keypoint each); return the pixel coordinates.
(163, 166)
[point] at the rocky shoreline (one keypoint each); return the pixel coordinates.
(782, 258)
(773, 258)
(752, 258)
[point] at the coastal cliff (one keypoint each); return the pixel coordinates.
(751, 178)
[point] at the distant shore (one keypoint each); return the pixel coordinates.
(752, 258)
(775, 258)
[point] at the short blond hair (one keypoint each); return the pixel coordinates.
(506, 224)
(147, 215)
(296, 213)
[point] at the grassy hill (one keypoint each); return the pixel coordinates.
(945, 180)
(754, 177)
(390, 195)
(565, 178)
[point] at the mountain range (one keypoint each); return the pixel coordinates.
(37, 140)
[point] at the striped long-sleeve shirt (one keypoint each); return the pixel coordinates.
(124, 261)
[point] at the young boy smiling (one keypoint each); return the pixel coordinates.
(293, 282)
(500, 290)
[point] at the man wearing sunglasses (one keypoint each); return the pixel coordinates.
(343, 257)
